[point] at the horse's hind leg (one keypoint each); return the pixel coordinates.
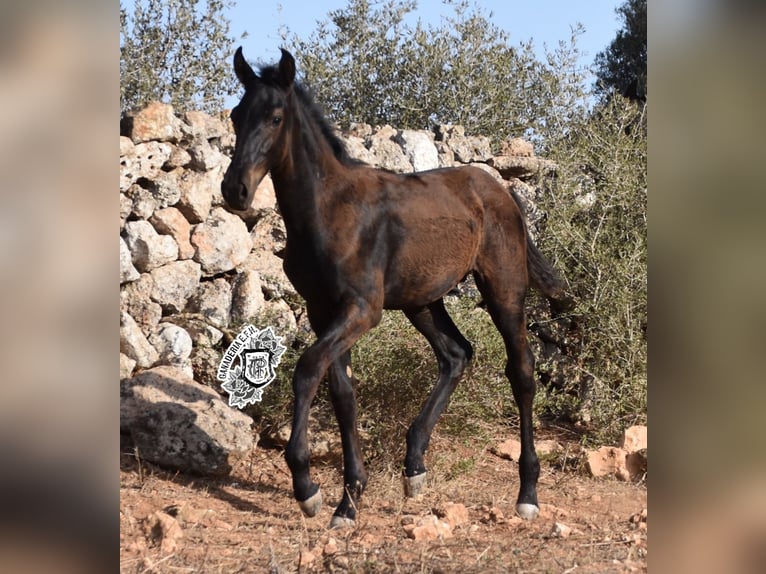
(343, 396)
(453, 353)
(505, 303)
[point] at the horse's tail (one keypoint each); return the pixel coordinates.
(543, 276)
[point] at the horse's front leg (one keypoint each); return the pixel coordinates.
(343, 395)
(345, 329)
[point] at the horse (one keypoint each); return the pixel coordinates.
(361, 240)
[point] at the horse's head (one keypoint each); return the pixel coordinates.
(259, 125)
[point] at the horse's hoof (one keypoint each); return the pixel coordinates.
(312, 504)
(413, 484)
(527, 511)
(341, 522)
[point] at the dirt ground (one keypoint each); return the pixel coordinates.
(248, 522)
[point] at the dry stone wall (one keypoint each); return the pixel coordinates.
(192, 270)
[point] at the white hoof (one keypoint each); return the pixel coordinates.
(527, 511)
(413, 484)
(312, 504)
(341, 522)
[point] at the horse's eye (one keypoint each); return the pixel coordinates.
(276, 120)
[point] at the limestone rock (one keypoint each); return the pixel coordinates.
(177, 423)
(204, 126)
(247, 298)
(212, 300)
(520, 166)
(149, 249)
(136, 300)
(174, 284)
(173, 344)
(455, 514)
(127, 365)
(134, 343)
(428, 528)
(171, 222)
(155, 122)
(356, 149)
(419, 148)
(388, 154)
(221, 243)
(127, 270)
(197, 191)
(466, 149)
(149, 159)
(517, 147)
(635, 438)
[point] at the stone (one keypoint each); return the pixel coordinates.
(180, 424)
(428, 528)
(143, 202)
(247, 299)
(509, 449)
(446, 156)
(212, 300)
(455, 514)
(165, 187)
(170, 221)
(517, 147)
(179, 157)
(269, 267)
(466, 149)
(197, 191)
(174, 284)
(149, 159)
(419, 148)
(607, 460)
(521, 167)
(264, 203)
(173, 344)
(635, 438)
(388, 154)
(204, 126)
(127, 270)
(127, 365)
(134, 343)
(126, 206)
(149, 249)
(163, 530)
(560, 530)
(204, 157)
(136, 300)
(221, 243)
(356, 149)
(269, 233)
(155, 122)
(127, 163)
(201, 332)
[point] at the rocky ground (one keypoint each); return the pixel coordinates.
(464, 521)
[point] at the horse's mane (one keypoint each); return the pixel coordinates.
(313, 111)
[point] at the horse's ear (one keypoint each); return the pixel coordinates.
(286, 69)
(242, 69)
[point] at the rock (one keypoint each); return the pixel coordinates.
(179, 157)
(455, 514)
(467, 149)
(174, 284)
(127, 163)
(387, 153)
(446, 156)
(165, 187)
(204, 157)
(148, 249)
(163, 530)
(330, 547)
(177, 423)
(560, 530)
(197, 191)
(635, 438)
(136, 300)
(264, 204)
(428, 528)
(127, 270)
(143, 202)
(149, 159)
(201, 332)
(356, 149)
(155, 122)
(517, 147)
(607, 460)
(247, 299)
(269, 233)
(170, 221)
(126, 366)
(274, 282)
(126, 206)
(204, 126)
(546, 447)
(521, 167)
(212, 300)
(419, 149)
(134, 343)
(221, 243)
(510, 449)
(173, 344)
